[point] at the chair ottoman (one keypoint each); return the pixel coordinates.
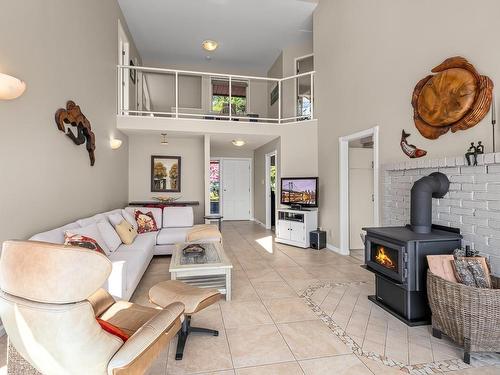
(194, 299)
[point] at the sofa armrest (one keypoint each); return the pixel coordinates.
(116, 284)
(140, 350)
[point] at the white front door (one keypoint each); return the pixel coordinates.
(236, 189)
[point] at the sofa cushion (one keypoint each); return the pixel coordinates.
(91, 220)
(96, 218)
(115, 219)
(157, 213)
(144, 241)
(93, 232)
(178, 217)
(109, 235)
(135, 256)
(129, 217)
(55, 235)
(169, 236)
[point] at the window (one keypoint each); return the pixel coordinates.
(214, 187)
(220, 97)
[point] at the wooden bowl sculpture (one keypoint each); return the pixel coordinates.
(456, 98)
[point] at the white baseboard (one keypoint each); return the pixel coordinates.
(259, 222)
(335, 249)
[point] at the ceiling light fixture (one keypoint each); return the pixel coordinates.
(10, 87)
(238, 142)
(164, 141)
(209, 45)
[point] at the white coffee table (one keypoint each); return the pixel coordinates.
(211, 270)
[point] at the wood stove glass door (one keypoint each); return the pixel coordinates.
(385, 259)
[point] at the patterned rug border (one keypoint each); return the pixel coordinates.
(422, 368)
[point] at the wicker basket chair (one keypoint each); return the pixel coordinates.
(469, 316)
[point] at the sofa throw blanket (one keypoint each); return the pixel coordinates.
(203, 232)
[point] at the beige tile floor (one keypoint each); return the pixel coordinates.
(267, 328)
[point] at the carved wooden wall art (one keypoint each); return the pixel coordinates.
(456, 98)
(73, 116)
(410, 150)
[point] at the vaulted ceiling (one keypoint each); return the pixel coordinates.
(250, 33)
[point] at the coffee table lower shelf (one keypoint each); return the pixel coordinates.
(214, 281)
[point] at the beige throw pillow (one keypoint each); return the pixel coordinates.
(126, 232)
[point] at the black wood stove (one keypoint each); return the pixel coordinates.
(397, 255)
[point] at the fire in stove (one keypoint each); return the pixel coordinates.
(384, 259)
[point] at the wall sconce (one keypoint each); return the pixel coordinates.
(10, 87)
(115, 143)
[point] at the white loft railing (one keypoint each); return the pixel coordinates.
(183, 94)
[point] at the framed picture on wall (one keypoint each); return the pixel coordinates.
(165, 174)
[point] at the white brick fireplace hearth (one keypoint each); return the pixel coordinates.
(473, 203)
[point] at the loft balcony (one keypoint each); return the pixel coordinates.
(203, 97)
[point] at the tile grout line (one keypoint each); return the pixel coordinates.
(272, 319)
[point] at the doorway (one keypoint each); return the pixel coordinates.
(361, 195)
(359, 186)
(303, 86)
(236, 188)
(271, 191)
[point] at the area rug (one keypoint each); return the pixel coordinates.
(316, 297)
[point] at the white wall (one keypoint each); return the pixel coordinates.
(230, 152)
(46, 180)
(191, 151)
(276, 71)
(288, 87)
(284, 66)
(369, 56)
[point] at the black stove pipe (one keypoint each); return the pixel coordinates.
(436, 185)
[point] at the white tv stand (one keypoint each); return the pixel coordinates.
(293, 226)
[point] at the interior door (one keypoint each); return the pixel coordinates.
(360, 194)
(236, 189)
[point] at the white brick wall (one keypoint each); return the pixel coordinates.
(472, 204)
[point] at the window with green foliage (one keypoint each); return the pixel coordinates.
(273, 177)
(220, 96)
(214, 187)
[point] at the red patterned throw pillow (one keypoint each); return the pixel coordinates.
(82, 241)
(114, 330)
(145, 222)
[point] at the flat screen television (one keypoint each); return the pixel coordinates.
(299, 191)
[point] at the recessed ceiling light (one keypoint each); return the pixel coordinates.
(209, 45)
(164, 141)
(238, 142)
